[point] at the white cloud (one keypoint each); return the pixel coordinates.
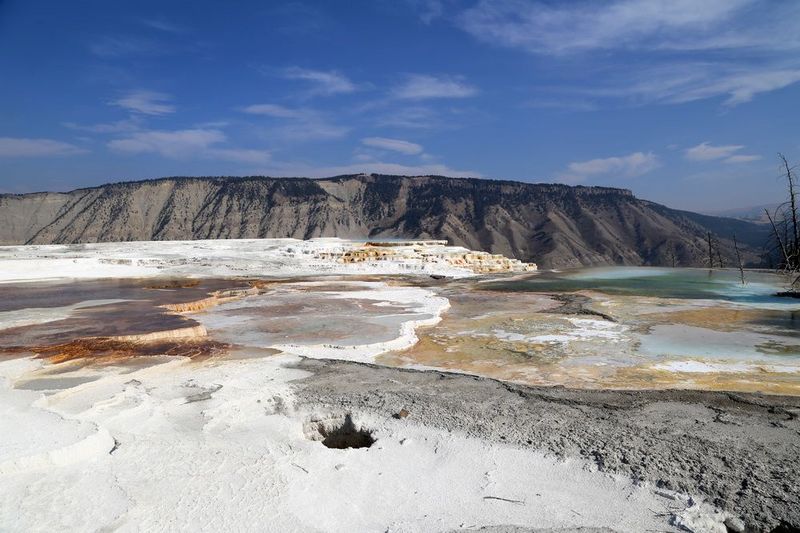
(369, 167)
(743, 86)
(742, 158)
(396, 145)
(568, 27)
(567, 104)
(21, 147)
(629, 166)
(297, 124)
(273, 110)
(363, 157)
(212, 124)
(740, 48)
(411, 117)
(178, 143)
(240, 155)
(727, 153)
(325, 82)
(184, 144)
(708, 152)
(164, 25)
(429, 10)
(146, 103)
(688, 82)
(421, 86)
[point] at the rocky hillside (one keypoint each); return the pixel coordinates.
(552, 225)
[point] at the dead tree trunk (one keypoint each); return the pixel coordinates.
(795, 231)
(710, 253)
(719, 254)
(738, 258)
(784, 252)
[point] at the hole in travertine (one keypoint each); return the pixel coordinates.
(339, 433)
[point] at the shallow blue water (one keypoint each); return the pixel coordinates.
(772, 333)
(684, 283)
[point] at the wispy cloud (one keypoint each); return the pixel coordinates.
(678, 83)
(736, 49)
(184, 144)
(274, 110)
(369, 167)
(146, 103)
(707, 152)
(628, 166)
(429, 10)
(22, 147)
(324, 82)
(563, 103)
(213, 124)
(395, 145)
(557, 28)
(742, 158)
(741, 87)
(162, 24)
(296, 124)
(727, 153)
(414, 117)
(240, 155)
(176, 143)
(423, 86)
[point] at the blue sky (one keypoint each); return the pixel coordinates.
(685, 102)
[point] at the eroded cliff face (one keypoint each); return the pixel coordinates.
(552, 225)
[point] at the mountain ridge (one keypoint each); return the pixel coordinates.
(554, 225)
(500, 181)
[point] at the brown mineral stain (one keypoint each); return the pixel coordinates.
(759, 380)
(173, 284)
(105, 350)
(149, 323)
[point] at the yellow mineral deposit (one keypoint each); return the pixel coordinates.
(216, 298)
(432, 251)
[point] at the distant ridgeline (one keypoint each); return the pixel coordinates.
(550, 224)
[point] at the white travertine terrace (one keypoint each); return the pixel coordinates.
(247, 257)
(192, 332)
(221, 445)
(432, 252)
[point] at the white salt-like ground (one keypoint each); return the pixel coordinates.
(149, 451)
(212, 258)
(701, 367)
(585, 329)
(219, 446)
